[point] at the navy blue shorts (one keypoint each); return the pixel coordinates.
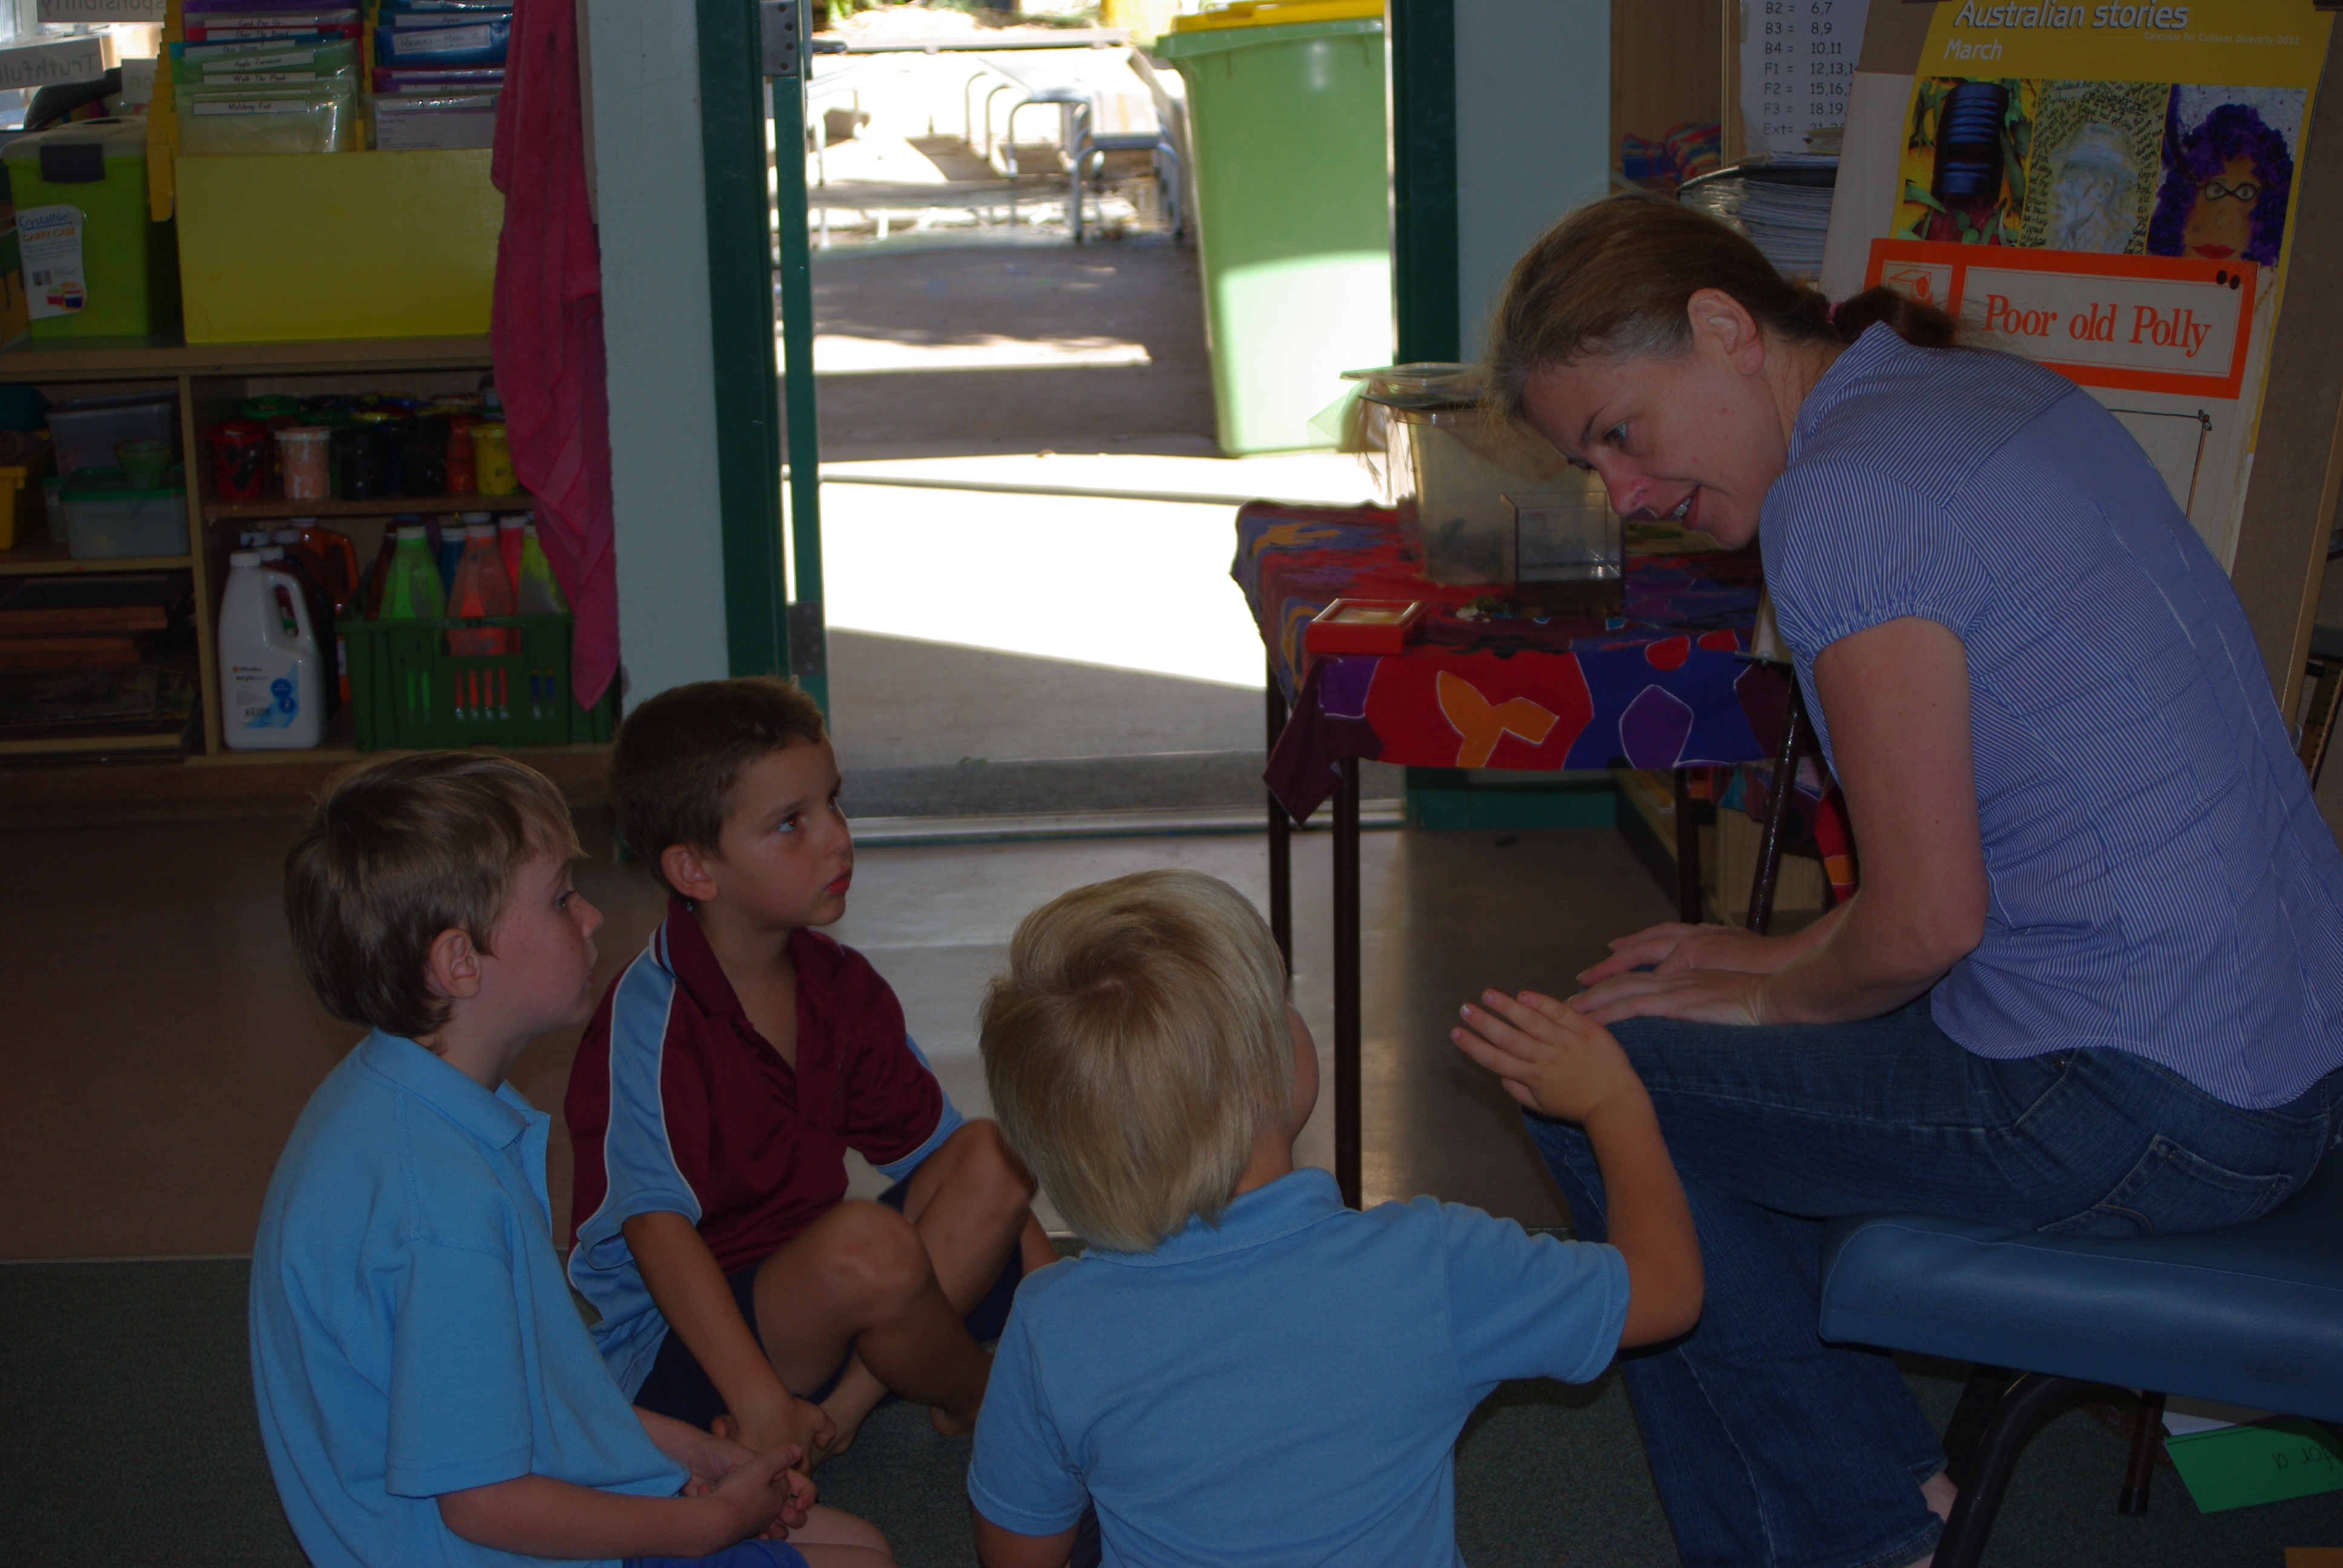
(677, 1386)
(740, 1554)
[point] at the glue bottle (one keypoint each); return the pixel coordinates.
(540, 591)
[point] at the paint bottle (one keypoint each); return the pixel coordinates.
(482, 590)
(540, 591)
(271, 676)
(411, 588)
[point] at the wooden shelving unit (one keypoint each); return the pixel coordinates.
(46, 559)
(212, 381)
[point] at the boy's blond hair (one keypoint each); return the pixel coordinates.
(399, 849)
(1136, 1049)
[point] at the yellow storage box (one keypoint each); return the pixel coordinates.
(337, 244)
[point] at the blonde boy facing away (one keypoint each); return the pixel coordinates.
(1241, 1370)
(427, 1392)
(722, 1081)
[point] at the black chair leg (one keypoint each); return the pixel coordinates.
(2031, 1401)
(1978, 1399)
(2139, 1475)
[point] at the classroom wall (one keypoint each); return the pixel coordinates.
(1533, 135)
(643, 99)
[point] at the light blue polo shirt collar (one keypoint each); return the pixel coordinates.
(497, 1119)
(1269, 1213)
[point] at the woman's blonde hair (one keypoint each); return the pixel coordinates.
(1136, 1049)
(1615, 280)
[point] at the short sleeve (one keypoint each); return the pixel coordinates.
(895, 1110)
(1530, 1306)
(459, 1406)
(1022, 1478)
(1847, 549)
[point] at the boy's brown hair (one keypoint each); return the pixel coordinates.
(679, 754)
(1136, 1049)
(399, 849)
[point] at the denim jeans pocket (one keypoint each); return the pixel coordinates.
(2171, 1191)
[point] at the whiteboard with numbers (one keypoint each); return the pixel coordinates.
(1797, 65)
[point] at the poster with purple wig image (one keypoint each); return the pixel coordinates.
(2229, 172)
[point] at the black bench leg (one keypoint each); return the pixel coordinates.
(2031, 1401)
(2139, 1475)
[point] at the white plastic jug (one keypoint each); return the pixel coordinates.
(272, 692)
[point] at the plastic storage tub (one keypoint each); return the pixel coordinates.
(106, 519)
(128, 264)
(1286, 119)
(406, 689)
(85, 432)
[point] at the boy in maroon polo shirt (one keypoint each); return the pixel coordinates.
(716, 1092)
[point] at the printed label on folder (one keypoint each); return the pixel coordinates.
(50, 239)
(443, 40)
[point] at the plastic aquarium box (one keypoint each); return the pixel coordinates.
(407, 690)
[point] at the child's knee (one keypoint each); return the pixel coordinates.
(875, 1255)
(991, 1169)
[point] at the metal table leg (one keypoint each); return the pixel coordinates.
(1281, 841)
(1688, 852)
(1347, 982)
(1777, 814)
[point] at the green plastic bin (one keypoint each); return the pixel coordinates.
(1285, 128)
(409, 691)
(129, 273)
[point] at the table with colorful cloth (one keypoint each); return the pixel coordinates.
(1667, 684)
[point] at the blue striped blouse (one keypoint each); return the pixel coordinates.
(2161, 882)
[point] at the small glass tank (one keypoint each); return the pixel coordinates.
(1568, 551)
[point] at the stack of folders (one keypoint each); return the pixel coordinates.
(1784, 206)
(300, 75)
(439, 65)
(266, 77)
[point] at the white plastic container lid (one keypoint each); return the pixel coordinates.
(123, 137)
(244, 557)
(481, 531)
(475, 516)
(410, 530)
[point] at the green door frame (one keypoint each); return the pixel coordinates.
(765, 634)
(1420, 43)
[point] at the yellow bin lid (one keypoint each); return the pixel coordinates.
(1278, 14)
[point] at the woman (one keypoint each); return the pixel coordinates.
(2093, 982)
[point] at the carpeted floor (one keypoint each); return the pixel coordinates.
(130, 1438)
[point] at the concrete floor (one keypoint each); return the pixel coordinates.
(161, 1041)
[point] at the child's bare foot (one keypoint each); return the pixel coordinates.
(858, 1393)
(944, 1424)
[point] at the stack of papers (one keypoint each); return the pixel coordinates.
(1784, 209)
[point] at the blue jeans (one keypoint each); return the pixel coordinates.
(1772, 1447)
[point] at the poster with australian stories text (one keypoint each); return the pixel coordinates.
(2106, 188)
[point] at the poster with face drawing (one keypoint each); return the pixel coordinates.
(2165, 133)
(2091, 182)
(2228, 173)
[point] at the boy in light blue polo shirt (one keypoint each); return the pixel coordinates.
(427, 1392)
(1241, 1370)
